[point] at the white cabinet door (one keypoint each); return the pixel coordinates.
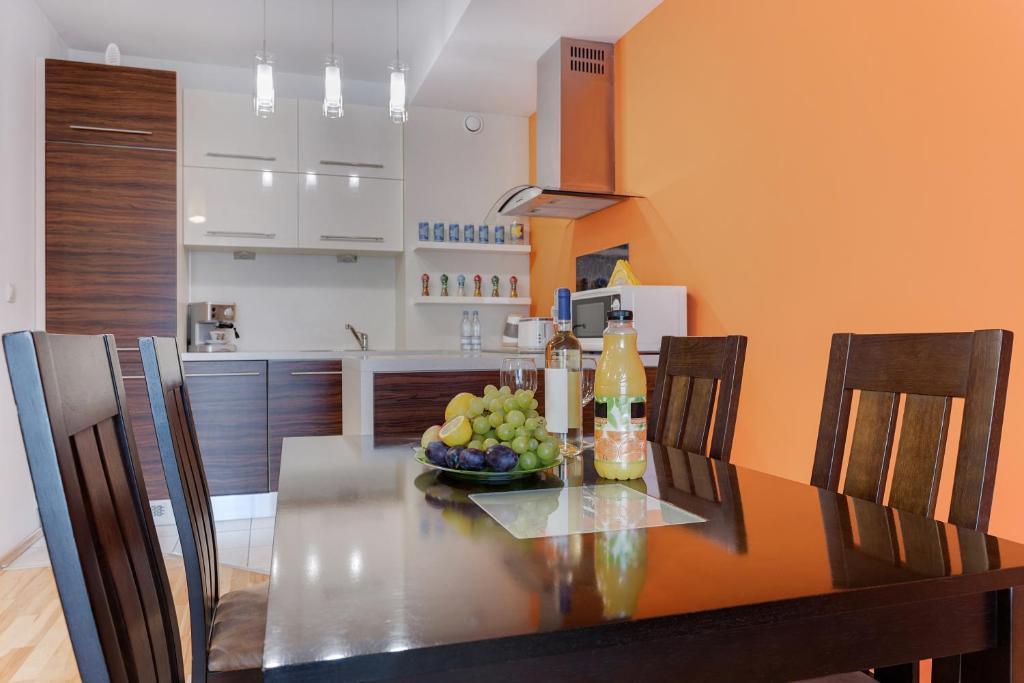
(231, 208)
(364, 142)
(221, 131)
(350, 214)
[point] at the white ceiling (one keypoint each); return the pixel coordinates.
(463, 54)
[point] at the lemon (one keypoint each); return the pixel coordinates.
(430, 435)
(457, 431)
(459, 405)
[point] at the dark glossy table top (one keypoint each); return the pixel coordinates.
(374, 554)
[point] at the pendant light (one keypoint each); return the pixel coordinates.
(333, 106)
(396, 80)
(263, 99)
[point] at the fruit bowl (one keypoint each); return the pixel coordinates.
(486, 478)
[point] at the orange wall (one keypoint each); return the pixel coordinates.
(812, 167)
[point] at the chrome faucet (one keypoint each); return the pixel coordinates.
(361, 337)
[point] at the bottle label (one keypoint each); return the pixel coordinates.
(620, 428)
(562, 399)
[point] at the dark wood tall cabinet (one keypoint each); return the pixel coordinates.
(111, 217)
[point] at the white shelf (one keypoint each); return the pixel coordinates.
(474, 300)
(472, 247)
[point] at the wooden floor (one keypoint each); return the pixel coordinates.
(34, 644)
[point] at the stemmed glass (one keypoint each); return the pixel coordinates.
(518, 373)
(588, 370)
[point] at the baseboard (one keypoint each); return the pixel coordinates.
(17, 550)
(224, 507)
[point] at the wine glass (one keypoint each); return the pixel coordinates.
(588, 370)
(518, 373)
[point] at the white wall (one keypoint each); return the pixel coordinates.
(25, 36)
(454, 176)
(301, 301)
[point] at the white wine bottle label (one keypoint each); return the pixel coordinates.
(556, 405)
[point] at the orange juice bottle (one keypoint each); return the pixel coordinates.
(620, 403)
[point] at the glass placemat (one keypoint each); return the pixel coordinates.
(579, 510)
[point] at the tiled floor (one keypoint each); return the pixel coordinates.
(243, 543)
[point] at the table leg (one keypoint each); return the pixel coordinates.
(1001, 664)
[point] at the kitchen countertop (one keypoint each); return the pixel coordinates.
(391, 361)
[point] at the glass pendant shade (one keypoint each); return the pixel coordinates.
(333, 105)
(396, 105)
(263, 100)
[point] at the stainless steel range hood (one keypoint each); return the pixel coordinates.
(575, 134)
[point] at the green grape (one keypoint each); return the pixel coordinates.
(481, 425)
(531, 423)
(515, 418)
(475, 443)
(491, 435)
(494, 405)
(523, 432)
(519, 392)
(421, 453)
(507, 443)
(524, 401)
(505, 391)
(505, 431)
(541, 421)
(534, 403)
(541, 434)
(488, 442)
(510, 404)
(490, 389)
(520, 444)
(533, 413)
(528, 461)
(533, 442)
(476, 407)
(547, 451)
(496, 418)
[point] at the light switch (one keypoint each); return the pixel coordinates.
(9, 293)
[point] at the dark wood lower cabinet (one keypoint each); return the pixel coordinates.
(303, 399)
(229, 405)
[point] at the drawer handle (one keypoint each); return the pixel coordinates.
(99, 129)
(249, 157)
(345, 238)
(223, 374)
(133, 377)
(127, 349)
(355, 164)
(316, 372)
(241, 233)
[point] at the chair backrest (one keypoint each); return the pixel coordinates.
(186, 484)
(691, 371)
(93, 506)
(931, 370)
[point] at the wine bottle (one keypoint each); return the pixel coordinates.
(563, 407)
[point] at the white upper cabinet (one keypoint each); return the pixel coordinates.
(350, 214)
(221, 131)
(248, 209)
(364, 142)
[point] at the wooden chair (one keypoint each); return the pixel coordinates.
(690, 372)
(93, 506)
(227, 631)
(931, 370)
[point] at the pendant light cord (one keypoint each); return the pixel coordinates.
(332, 28)
(264, 28)
(396, 33)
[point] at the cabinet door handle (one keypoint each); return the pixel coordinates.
(241, 233)
(223, 374)
(99, 129)
(127, 349)
(133, 377)
(248, 157)
(346, 238)
(315, 372)
(354, 164)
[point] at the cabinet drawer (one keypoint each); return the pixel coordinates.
(362, 143)
(229, 405)
(304, 399)
(221, 131)
(111, 105)
(358, 214)
(233, 208)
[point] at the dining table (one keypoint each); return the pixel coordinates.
(386, 569)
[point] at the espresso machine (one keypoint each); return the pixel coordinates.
(211, 327)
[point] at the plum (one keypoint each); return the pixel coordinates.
(436, 452)
(472, 459)
(502, 458)
(451, 458)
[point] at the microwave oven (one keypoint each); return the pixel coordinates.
(658, 311)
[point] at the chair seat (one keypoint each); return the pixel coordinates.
(239, 625)
(855, 677)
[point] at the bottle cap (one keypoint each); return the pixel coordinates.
(620, 315)
(562, 296)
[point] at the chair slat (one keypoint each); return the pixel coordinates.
(678, 407)
(915, 479)
(872, 445)
(698, 416)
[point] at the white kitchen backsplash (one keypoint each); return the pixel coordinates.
(300, 301)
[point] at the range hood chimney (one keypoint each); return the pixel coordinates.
(575, 134)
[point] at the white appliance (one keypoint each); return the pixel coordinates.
(658, 311)
(534, 333)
